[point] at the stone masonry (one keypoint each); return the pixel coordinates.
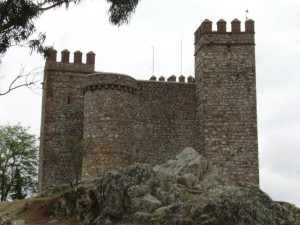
(134, 121)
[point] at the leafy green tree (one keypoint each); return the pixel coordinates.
(18, 162)
(17, 20)
(17, 189)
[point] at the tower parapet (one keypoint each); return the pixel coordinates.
(77, 66)
(78, 57)
(161, 78)
(181, 79)
(191, 79)
(222, 36)
(172, 78)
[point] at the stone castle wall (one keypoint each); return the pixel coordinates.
(135, 121)
(166, 118)
(132, 121)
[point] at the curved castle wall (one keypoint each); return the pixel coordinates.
(108, 119)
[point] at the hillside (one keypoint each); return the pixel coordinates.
(35, 211)
(184, 191)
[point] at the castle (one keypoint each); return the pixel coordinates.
(137, 121)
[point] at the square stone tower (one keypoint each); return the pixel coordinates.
(226, 98)
(62, 114)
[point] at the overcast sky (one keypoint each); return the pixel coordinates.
(163, 24)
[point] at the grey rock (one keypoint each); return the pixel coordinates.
(19, 222)
(240, 205)
(188, 161)
(160, 195)
(112, 188)
(100, 220)
(142, 217)
(189, 180)
(185, 190)
(161, 212)
(147, 203)
(53, 221)
(5, 219)
(138, 190)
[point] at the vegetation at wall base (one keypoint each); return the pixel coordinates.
(18, 162)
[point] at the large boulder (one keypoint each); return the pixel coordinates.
(185, 190)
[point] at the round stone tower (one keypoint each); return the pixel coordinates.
(108, 113)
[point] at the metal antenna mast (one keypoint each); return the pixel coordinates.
(247, 14)
(181, 57)
(152, 60)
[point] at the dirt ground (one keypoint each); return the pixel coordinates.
(38, 210)
(35, 211)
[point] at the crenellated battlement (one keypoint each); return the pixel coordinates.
(76, 66)
(173, 78)
(206, 28)
(125, 83)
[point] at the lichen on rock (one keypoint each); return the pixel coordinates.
(185, 190)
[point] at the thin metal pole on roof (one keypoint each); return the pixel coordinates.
(181, 57)
(152, 60)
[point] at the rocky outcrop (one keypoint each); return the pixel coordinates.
(5, 219)
(185, 190)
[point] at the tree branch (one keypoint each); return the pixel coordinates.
(51, 6)
(31, 79)
(59, 3)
